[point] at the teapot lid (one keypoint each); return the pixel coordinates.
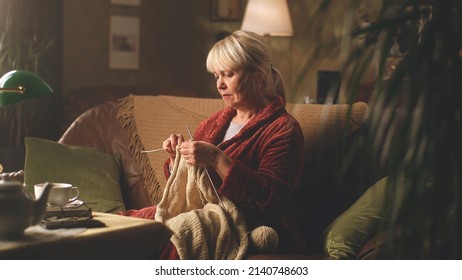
(8, 185)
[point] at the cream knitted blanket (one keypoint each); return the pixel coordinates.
(202, 228)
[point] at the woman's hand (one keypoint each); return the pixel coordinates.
(202, 153)
(170, 144)
(199, 153)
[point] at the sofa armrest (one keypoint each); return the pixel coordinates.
(98, 128)
(79, 100)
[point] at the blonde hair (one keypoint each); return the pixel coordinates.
(245, 51)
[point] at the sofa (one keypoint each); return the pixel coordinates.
(120, 126)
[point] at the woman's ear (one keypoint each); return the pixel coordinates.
(259, 77)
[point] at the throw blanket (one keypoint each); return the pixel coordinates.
(203, 229)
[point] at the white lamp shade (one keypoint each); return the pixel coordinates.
(267, 17)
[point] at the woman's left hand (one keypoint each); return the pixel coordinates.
(202, 153)
(199, 153)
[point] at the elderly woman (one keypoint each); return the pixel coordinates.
(253, 148)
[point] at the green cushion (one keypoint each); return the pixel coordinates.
(347, 234)
(94, 172)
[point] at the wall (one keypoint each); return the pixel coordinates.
(319, 43)
(175, 38)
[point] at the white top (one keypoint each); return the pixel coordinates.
(233, 129)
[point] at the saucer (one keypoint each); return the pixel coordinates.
(75, 203)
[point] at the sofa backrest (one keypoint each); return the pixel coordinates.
(78, 100)
(150, 120)
(324, 125)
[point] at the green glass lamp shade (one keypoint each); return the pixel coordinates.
(18, 85)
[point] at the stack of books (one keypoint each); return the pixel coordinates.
(69, 217)
(64, 212)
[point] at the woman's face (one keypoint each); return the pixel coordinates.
(227, 83)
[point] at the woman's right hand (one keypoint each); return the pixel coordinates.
(170, 144)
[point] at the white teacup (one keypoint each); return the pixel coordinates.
(60, 193)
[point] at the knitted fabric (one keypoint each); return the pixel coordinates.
(202, 228)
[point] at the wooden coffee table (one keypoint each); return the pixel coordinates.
(122, 238)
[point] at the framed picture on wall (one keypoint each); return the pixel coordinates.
(225, 10)
(127, 2)
(328, 86)
(124, 42)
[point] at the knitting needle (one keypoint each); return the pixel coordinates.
(152, 151)
(158, 150)
(207, 172)
(161, 149)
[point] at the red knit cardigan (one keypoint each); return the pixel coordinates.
(267, 164)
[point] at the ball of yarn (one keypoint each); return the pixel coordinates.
(264, 239)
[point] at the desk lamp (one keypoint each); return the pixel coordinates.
(18, 85)
(267, 18)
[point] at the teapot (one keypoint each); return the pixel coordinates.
(18, 208)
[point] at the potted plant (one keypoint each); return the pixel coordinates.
(24, 47)
(415, 127)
